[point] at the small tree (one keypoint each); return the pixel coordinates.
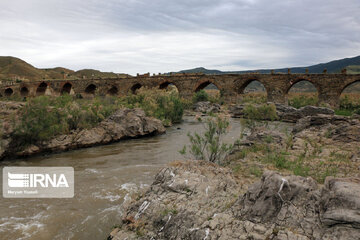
(209, 146)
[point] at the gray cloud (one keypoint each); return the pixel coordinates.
(166, 35)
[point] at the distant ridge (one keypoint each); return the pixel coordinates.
(352, 64)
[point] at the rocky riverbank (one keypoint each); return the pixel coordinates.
(284, 113)
(199, 200)
(124, 123)
(299, 183)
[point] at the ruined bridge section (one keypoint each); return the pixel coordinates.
(329, 86)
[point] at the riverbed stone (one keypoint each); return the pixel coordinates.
(206, 107)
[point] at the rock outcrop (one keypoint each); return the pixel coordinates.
(321, 120)
(198, 200)
(124, 123)
(285, 113)
(206, 107)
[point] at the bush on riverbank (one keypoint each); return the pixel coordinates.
(44, 117)
(164, 105)
(209, 95)
(299, 100)
(201, 96)
(209, 146)
(260, 112)
(349, 104)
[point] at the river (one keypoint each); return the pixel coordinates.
(104, 177)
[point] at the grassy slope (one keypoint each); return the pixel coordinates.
(353, 69)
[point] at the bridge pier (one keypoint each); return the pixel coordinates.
(276, 96)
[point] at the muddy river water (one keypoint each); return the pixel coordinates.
(104, 177)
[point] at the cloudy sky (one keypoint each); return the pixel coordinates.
(168, 35)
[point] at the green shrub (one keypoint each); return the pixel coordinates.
(39, 121)
(44, 117)
(209, 146)
(201, 96)
(299, 101)
(260, 112)
(164, 105)
(348, 105)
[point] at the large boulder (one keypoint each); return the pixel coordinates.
(290, 114)
(322, 120)
(237, 110)
(289, 201)
(340, 203)
(181, 203)
(199, 200)
(206, 107)
(285, 113)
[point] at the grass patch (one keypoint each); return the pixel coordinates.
(254, 98)
(260, 112)
(343, 112)
(299, 100)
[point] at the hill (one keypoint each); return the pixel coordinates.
(12, 68)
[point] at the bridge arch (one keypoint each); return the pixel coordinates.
(8, 92)
(67, 88)
(41, 89)
(295, 82)
(349, 86)
(113, 91)
(302, 92)
(24, 91)
(135, 87)
(349, 96)
(202, 84)
(251, 83)
(166, 84)
(90, 89)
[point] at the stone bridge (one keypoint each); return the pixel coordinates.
(329, 86)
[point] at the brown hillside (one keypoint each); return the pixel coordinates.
(12, 68)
